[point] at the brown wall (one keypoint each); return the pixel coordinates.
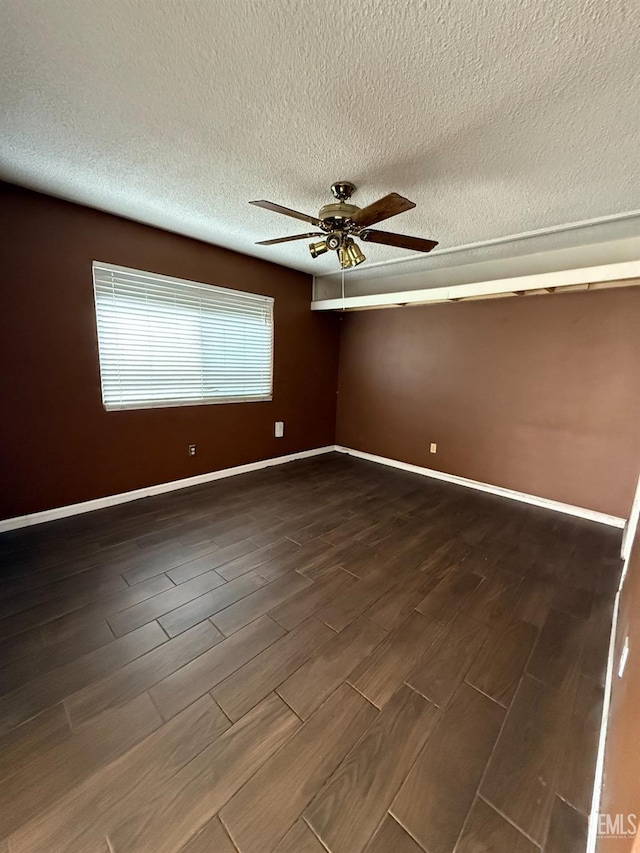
(621, 791)
(539, 394)
(59, 446)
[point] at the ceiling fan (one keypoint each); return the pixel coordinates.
(341, 221)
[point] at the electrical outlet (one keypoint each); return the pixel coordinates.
(279, 429)
(433, 447)
(192, 450)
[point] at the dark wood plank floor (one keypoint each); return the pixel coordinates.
(328, 655)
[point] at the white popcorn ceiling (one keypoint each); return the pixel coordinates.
(494, 117)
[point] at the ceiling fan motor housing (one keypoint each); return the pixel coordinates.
(338, 214)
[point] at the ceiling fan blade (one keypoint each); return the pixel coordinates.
(286, 211)
(288, 239)
(401, 241)
(384, 208)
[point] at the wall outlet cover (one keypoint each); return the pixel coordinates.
(433, 447)
(279, 429)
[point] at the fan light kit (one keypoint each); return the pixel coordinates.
(341, 221)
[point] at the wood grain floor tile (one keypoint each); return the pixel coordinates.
(140, 614)
(51, 774)
(152, 562)
(247, 686)
(487, 832)
(75, 623)
(245, 530)
(574, 600)
(14, 674)
(69, 592)
(522, 772)
(447, 552)
(300, 839)
(309, 686)
(499, 667)
(556, 655)
(494, 600)
(391, 555)
(49, 689)
(193, 680)
(322, 568)
(596, 645)
(534, 601)
(212, 560)
(481, 561)
(434, 800)
(80, 819)
(257, 603)
(580, 753)
(397, 604)
(237, 524)
(332, 582)
(347, 811)
(383, 671)
(196, 793)
(26, 645)
(343, 609)
(25, 743)
(139, 675)
(357, 558)
(277, 531)
(305, 556)
(260, 815)
(444, 601)
(257, 558)
(204, 606)
(567, 831)
(212, 838)
(317, 528)
(394, 527)
(350, 529)
(371, 545)
(392, 838)
(442, 669)
(53, 609)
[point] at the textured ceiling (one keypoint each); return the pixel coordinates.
(495, 116)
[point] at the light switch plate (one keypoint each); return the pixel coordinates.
(279, 430)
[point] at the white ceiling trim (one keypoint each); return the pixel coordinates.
(544, 282)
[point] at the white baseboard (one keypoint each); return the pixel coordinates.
(557, 506)
(124, 497)
(598, 782)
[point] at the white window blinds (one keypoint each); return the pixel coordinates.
(167, 342)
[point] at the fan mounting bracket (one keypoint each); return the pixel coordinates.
(343, 190)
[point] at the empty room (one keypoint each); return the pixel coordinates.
(320, 427)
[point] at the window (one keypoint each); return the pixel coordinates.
(167, 342)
